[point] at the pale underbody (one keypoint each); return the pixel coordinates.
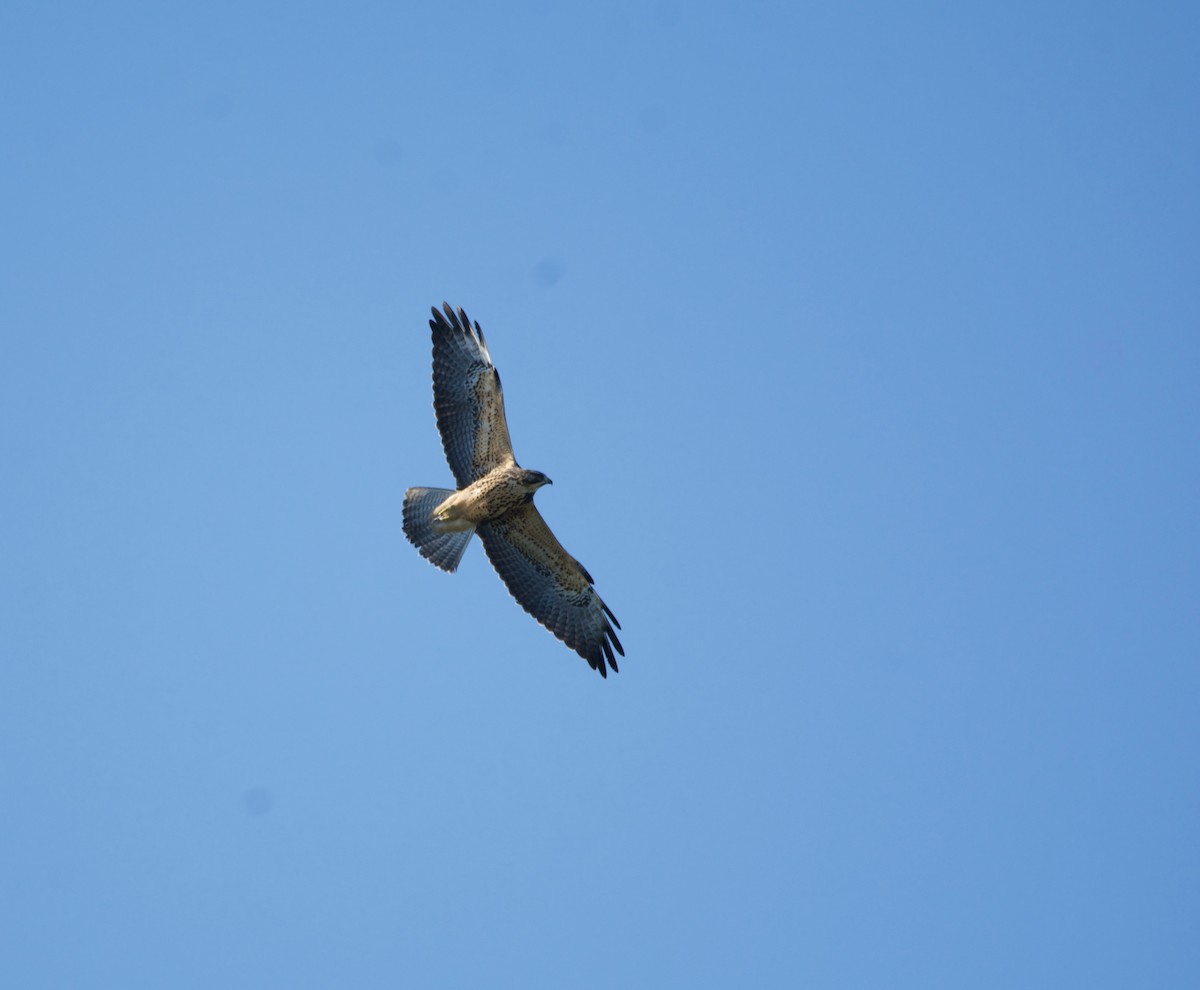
(496, 493)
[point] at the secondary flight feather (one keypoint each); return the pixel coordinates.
(494, 498)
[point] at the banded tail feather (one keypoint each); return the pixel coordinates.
(445, 550)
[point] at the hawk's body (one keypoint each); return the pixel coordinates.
(495, 500)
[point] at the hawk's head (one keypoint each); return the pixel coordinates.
(533, 480)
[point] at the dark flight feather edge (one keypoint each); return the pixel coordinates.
(608, 612)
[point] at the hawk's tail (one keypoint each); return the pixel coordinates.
(443, 549)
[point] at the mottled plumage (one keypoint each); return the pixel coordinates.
(467, 399)
(495, 499)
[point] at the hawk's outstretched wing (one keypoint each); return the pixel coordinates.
(551, 585)
(467, 398)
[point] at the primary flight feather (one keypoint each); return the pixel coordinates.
(494, 498)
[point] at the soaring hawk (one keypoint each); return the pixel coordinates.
(495, 500)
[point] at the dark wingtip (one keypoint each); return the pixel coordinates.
(454, 319)
(449, 320)
(608, 612)
(446, 319)
(616, 642)
(608, 655)
(596, 663)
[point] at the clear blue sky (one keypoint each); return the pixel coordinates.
(862, 343)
